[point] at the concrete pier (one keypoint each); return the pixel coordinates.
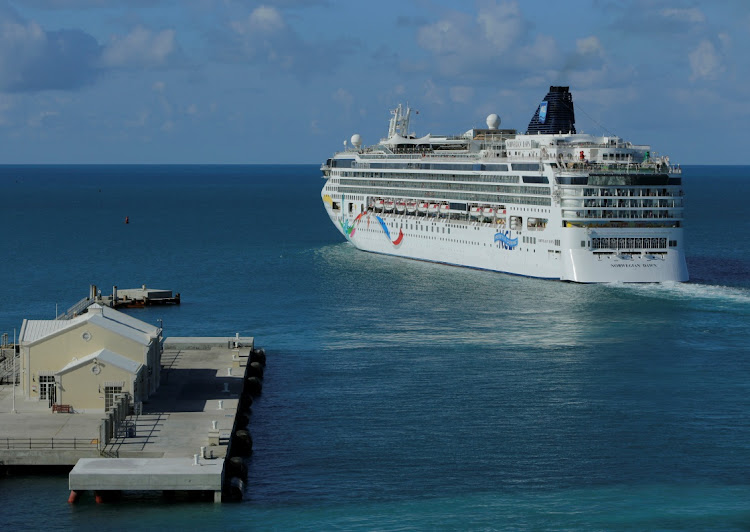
(122, 298)
(180, 440)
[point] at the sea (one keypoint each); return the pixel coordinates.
(405, 395)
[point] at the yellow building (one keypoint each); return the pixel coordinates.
(85, 361)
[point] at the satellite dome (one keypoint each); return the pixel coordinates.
(356, 140)
(492, 121)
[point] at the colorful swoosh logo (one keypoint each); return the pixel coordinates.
(506, 240)
(400, 236)
(349, 228)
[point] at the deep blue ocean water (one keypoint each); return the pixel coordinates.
(402, 395)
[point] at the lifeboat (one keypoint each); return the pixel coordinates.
(411, 206)
(475, 212)
(422, 206)
(444, 208)
(388, 205)
(488, 212)
(372, 203)
(433, 208)
(379, 204)
(400, 206)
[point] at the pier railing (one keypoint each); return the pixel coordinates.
(76, 309)
(8, 373)
(49, 443)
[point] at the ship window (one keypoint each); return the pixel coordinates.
(583, 243)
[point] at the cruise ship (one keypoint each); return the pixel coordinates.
(548, 203)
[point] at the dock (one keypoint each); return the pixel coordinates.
(122, 298)
(192, 434)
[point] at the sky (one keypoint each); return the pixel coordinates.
(287, 81)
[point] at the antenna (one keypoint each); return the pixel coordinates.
(399, 123)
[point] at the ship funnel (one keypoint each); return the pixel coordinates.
(555, 114)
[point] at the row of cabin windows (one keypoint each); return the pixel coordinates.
(458, 196)
(430, 185)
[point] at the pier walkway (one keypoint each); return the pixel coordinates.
(178, 441)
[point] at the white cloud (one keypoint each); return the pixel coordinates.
(705, 62)
(41, 118)
(267, 18)
(693, 14)
(140, 48)
(344, 98)
(433, 93)
(461, 94)
(544, 51)
(725, 40)
(140, 120)
(501, 24)
(445, 37)
(262, 19)
(19, 44)
(590, 45)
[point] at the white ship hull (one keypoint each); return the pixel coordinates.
(475, 245)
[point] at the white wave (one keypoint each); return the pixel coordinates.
(688, 291)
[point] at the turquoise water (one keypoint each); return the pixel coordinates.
(402, 395)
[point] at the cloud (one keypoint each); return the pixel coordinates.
(141, 48)
(78, 4)
(461, 94)
(265, 38)
(692, 15)
(497, 41)
(263, 20)
(501, 24)
(447, 36)
(34, 59)
(705, 62)
(589, 45)
(344, 98)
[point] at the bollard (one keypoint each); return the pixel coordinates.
(203, 451)
(229, 372)
(226, 387)
(221, 405)
(215, 424)
(195, 460)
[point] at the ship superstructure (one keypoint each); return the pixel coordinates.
(549, 203)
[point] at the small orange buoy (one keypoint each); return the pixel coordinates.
(127, 219)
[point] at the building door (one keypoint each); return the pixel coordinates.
(109, 396)
(47, 390)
